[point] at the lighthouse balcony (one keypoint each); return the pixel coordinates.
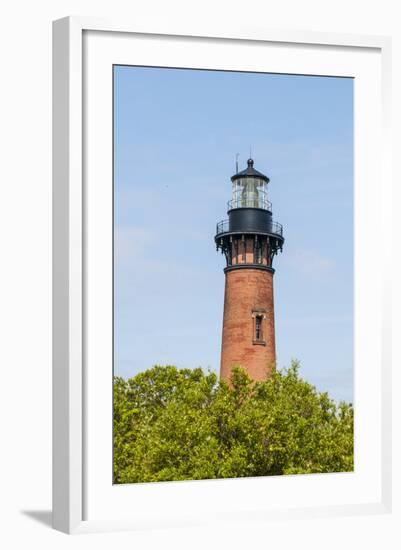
(249, 202)
(271, 228)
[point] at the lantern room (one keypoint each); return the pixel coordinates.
(249, 189)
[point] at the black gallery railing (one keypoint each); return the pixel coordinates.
(241, 202)
(274, 228)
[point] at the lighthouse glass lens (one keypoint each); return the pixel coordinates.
(250, 195)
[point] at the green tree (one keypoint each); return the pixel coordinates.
(172, 424)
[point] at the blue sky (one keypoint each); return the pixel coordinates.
(176, 134)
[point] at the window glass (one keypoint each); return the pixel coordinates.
(258, 327)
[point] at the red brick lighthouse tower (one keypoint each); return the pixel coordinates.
(249, 239)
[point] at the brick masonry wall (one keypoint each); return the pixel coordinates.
(248, 291)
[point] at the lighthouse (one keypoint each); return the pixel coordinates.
(249, 240)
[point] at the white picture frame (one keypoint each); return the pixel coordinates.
(76, 479)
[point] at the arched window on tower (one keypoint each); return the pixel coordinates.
(259, 318)
(258, 327)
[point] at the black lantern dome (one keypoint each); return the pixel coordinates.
(250, 172)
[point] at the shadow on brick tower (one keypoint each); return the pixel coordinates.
(249, 239)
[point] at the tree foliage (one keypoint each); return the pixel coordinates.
(172, 424)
